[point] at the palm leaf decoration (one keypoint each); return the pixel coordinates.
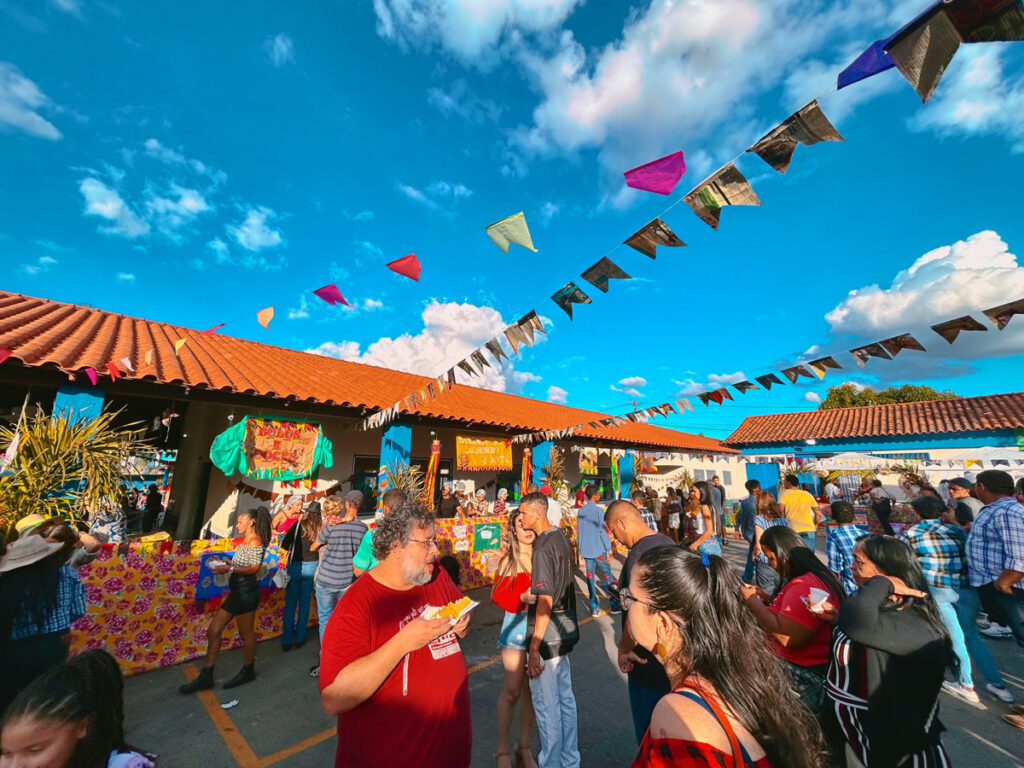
(409, 480)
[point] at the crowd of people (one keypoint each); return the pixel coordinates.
(790, 661)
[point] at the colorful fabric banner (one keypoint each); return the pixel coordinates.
(212, 331)
(653, 234)
(494, 347)
(510, 230)
(923, 52)
(807, 126)
(987, 21)
(275, 448)
(264, 316)
(331, 295)
(1001, 315)
(660, 176)
(474, 454)
(822, 364)
(744, 386)
(603, 271)
(863, 354)
(181, 343)
(588, 461)
(568, 295)
(407, 266)
(768, 380)
(950, 329)
(904, 341)
(795, 372)
(726, 186)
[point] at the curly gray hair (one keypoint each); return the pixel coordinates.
(397, 527)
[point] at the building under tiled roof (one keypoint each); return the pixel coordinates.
(71, 338)
(963, 414)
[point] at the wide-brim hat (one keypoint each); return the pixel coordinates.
(27, 550)
(28, 524)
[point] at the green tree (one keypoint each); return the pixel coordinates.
(848, 396)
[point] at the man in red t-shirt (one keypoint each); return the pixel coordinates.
(396, 681)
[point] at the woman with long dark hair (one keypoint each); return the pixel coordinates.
(798, 635)
(706, 523)
(889, 654)
(71, 717)
(302, 563)
(242, 600)
(730, 703)
(511, 591)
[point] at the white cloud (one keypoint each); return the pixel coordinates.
(633, 381)
(963, 278)
(714, 381)
(370, 249)
(461, 101)
(52, 246)
(548, 211)
(358, 215)
(812, 397)
(437, 194)
(39, 266)
(372, 304)
(20, 102)
(451, 331)
(153, 149)
(102, 201)
(220, 249)
(253, 233)
(126, 277)
(170, 216)
(74, 7)
(279, 50)
(300, 312)
(557, 394)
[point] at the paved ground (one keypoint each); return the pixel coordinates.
(278, 720)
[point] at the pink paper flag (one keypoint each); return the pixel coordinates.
(4, 354)
(407, 266)
(264, 316)
(331, 295)
(112, 370)
(211, 331)
(659, 176)
(92, 375)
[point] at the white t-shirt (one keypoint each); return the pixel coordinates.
(833, 491)
(554, 513)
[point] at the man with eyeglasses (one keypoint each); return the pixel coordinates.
(395, 680)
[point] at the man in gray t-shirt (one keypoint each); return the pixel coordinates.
(339, 543)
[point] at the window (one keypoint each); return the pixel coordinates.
(726, 477)
(698, 474)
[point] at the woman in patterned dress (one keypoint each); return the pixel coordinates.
(242, 600)
(730, 703)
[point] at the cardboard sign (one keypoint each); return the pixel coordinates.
(474, 454)
(486, 536)
(274, 448)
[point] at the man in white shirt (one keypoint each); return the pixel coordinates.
(554, 514)
(833, 491)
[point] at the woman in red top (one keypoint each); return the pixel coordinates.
(796, 634)
(511, 591)
(730, 704)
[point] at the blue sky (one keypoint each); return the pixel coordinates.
(194, 163)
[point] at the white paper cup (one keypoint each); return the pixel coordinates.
(817, 598)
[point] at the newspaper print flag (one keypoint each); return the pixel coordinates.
(331, 295)
(515, 337)
(726, 186)
(530, 323)
(1001, 315)
(768, 380)
(950, 329)
(904, 341)
(875, 59)
(407, 266)
(684, 405)
(987, 21)
(451, 378)
(807, 126)
(603, 271)
(494, 347)
(923, 52)
(744, 386)
(822, 364)
(464, 365)
(795, 372)
(865, 353)
(653, 234)
(568, 295)
(479, 361)
(660, 176)
(511, 229)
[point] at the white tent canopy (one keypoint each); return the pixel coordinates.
(851, 461)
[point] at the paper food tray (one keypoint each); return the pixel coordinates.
(431, 611)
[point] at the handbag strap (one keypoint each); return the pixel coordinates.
(723, 720)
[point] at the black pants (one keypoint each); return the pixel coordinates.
(22, 661)
(882, 510)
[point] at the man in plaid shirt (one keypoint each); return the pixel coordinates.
(839, 543)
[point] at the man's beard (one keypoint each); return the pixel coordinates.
(417, 576)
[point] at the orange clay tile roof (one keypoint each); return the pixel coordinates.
(964, 414)
(44, 333)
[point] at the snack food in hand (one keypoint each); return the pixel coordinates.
(452, 610)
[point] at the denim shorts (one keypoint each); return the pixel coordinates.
(513, 632)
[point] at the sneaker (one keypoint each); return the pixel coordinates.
(314, 671)
(963, 692)
(996, 630)
(595, 613)
(615, 610)
(1000, 692)
(982, 621)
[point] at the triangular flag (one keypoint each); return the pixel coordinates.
(430, 391)
(510, 230)
(464, 365)
(148, 357)
(922, 53)
(871, 62)
(795, 372)
(704, 397)
(987, 21)
(536, 322)
(264, 316)
(515, 337)
(807, 126)
(479, 361)
(407, 266)
(863, 354)
(603, 271)
(1001, 315)
(768, 380)
(659, 175)
(126, 362)
(211, 331)
(725, 393)
(744, 386)
(654, 233)
(92, 375)
(568, 295)
(440, 384)
(494, 347)
(716, 395)
(114, 373)
(820, 365)
(181, 343)
(950, 329)
(903, 341)
(726, 186)
(4, 354)
(684, 404)
(331, 295)
(451, 378)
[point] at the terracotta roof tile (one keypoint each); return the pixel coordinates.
(964, 414)
(45, 333)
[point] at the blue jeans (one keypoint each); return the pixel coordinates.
(945, 602)
(326, 599)
(555, 707)
(297, 595)
(642, 701)
(810, 538)
(598, 569)
(967, 607)
(748, 569)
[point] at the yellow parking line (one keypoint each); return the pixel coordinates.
(239, 747)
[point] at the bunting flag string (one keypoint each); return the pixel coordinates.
(212, 331)
(264, 316)
(114, 373)
(807, 126)
(331, 295)
(407, 266)
(819, 366)
(600, 273)
(178, 345)
(1001, 315)
(650, 236)
(744, 386)
(660, 176)
(951, 329)
(726, 186)
(768, 380)
(863, 354)
(511, 229)
(568, 295)
(898, 343)
(795, 372)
